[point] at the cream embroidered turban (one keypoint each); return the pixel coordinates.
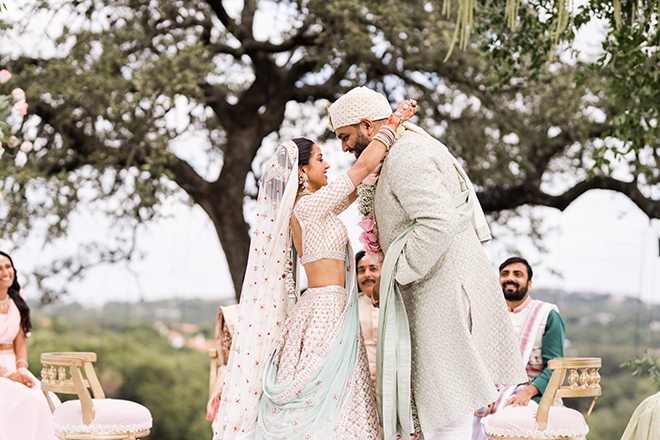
(361, 102)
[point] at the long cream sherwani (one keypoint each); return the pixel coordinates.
(454, 370)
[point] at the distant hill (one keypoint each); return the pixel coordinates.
(113, 314)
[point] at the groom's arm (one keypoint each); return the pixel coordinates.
(419, 187)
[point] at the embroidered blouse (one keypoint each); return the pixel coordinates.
(323, 234)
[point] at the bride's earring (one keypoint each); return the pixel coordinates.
(303, 182)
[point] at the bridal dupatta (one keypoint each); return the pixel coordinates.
(264, 300)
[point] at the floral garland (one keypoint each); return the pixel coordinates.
(366, 192)
(369, 236)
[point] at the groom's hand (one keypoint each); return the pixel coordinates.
(375, 293)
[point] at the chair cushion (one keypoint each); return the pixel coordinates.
(112, 415)
(521, 422)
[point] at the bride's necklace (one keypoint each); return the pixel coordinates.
(4, 303)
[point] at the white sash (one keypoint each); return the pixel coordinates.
(535, 313)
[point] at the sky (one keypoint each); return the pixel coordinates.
(601, 243)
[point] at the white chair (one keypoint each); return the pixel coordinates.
(548, 422)
(89, 418)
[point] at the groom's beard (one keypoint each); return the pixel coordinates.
(361, 142)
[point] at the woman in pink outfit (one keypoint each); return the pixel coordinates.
(25, 414)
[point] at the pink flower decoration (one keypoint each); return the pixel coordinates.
(20, 107)
(367, 223)
(370, 241)
(369, 237)
(371, 248)
(26, 147)
(4, 76)
(18, 94)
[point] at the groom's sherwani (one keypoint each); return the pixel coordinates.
(443, 265)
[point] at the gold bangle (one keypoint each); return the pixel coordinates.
(387, 148)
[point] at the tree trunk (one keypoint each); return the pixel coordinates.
(223, 199)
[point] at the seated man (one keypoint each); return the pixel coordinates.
(368, 273)
(541, 333)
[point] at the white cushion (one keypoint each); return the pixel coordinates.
(112, 415)
(521, 422)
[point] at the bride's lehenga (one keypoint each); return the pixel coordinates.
(318, 384)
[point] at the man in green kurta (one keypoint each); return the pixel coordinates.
(461, 340)
(541, 333)
(549, 334)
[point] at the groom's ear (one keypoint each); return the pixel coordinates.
(369, 126)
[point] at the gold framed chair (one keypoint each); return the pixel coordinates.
(546, 421)
(91, 417)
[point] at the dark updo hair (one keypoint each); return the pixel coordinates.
(304, 150)
(513, 260)
(14, 293)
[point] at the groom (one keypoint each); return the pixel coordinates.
(461, 338)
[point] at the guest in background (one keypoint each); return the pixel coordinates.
(25, 414)
(368, 274)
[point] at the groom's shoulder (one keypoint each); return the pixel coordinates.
(412, 146)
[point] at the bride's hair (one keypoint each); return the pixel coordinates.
(14, 292)
(304, 150)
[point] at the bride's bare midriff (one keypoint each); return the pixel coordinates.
(320, 273)
(325, 272)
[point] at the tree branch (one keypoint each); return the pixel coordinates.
(498, 198)
(220, 11)
(328, 90)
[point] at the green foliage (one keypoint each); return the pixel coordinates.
(648, 364)
(138, 364)
(629, 64)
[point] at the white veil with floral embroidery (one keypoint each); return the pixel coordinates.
(264, 299)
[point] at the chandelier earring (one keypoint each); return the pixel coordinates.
(303, 185)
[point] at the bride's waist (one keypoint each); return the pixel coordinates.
(325, 290)
(325, 272)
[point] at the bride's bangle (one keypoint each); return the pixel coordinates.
(18, 361)
(385, 136)
(24, 371)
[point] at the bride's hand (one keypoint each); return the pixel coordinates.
(22, 378)
(404, 111)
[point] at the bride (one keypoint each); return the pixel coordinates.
(303, 374)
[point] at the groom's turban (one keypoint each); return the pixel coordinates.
(361, 102)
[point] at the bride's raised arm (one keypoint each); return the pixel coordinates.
(380, 144)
